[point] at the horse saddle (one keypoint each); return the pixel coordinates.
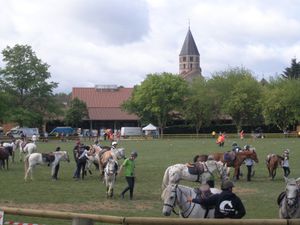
(195, 168)
(229, 157)
(48, 157)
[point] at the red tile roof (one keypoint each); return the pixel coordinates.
(105, 104)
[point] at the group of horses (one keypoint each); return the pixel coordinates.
(175, 195)
(105, 159)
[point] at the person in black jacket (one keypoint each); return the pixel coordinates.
(227, 204)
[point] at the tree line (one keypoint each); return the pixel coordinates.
(27, 96)
(233, 93)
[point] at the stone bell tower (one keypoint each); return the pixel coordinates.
(189, 58)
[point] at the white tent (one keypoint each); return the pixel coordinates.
(150, 130)
(149, 127)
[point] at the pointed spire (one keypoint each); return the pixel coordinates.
(189, 46)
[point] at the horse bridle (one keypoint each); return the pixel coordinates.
(174, 204)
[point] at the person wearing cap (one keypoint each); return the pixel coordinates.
(227, 204)
(114, 145)
(285, 163)
(129, 165)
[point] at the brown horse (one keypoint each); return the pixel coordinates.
(4, 155)
(232, 159)
(272, 162)
(104, 156)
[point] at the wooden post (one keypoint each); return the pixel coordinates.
(81, 221)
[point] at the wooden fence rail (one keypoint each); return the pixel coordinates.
(143, 220)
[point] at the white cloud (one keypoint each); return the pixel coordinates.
(121, 41)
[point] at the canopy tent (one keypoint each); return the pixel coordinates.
(151, 130)
(149, 127)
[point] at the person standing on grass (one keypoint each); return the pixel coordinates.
(56, 169)
(129, 165)
(285, 163)
(226, 203)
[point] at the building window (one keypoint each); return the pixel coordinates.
(184, 59)
(183, 66)
(191, 66)
(191, 58)
(197, 58)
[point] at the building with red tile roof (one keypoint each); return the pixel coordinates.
(104, 106)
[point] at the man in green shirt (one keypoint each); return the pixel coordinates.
(129, 166)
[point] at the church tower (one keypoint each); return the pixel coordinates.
(189, 58)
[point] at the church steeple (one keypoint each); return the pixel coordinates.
(189, 57)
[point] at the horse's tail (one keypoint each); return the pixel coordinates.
(26, 163)
(165, 181)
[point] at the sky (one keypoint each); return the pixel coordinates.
(119, 42)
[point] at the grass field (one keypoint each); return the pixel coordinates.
(88, 196)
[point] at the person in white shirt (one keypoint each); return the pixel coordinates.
(285, 163)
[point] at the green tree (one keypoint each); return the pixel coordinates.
(24, 78)
(76, 112)
(199, 104)
(156, 98)
(239, 96)
(282, 103)
(292, 72)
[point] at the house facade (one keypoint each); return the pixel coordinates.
(104, 107)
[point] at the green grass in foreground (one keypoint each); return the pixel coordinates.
(88, 196)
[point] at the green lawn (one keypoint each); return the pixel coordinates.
(88, 196)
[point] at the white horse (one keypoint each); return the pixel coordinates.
(289, 201)
(43, 159)
(176, 195)
(25, 148)
(110, 172)
(177, 172)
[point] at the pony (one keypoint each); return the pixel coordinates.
(289, 200)
(4, 155)
(272, 162)
(12, 148)
(110, 172)
(44, 158)
(25, 148)
(116, 154)
(173, 174)
(176, 195)
(235, 159)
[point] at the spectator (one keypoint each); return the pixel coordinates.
(285, 163)
(227, 204)
(56, 169)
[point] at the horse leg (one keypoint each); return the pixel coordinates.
(27, 173)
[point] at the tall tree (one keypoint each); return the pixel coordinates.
(76, 112)
(156, 98)
(292, 72)
(25, 77)
(238, 94)
(199, 104)
(282, 103)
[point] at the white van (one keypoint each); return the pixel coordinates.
(17, 132)
(131, 131)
